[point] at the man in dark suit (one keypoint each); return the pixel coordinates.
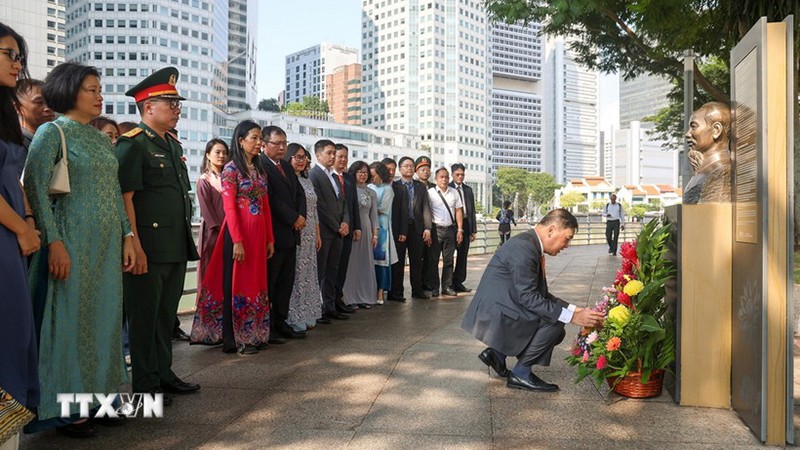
(417, 216)
(399, 232)
(333, 225)
(351, 199)
(288, 204)
(470, 226)
(430, 256)
(513, 312)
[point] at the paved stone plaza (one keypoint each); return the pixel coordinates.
(407, 376)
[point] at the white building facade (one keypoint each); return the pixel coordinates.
(571, 114)
(641, 159)
(242, 51)
(425, 72)
(41, 24)
(129, 41)
(306, 70)
(516, 109)
(642, 97)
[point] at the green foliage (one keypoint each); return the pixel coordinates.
(311, 105)
(598, 205)
(512, 181)
(541, 187)
(637, 210)
(639, 333)
(269, 104)
(571, 199)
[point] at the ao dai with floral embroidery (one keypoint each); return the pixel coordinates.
(247, 220)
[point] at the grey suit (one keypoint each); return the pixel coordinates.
(332, 211)
(512, 311)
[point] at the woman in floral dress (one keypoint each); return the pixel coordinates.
(209, 197)
(305, 306)
(232, 305)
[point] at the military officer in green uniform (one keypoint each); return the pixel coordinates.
(155, 190)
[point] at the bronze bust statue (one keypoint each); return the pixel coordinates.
(708, 137)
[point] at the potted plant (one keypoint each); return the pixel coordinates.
(636, 343)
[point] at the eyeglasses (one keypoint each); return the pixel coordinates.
(13, 55)
(278, 143)
(299, 157)
(362, 172)
(173, 103)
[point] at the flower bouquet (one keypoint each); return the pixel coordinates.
(637, 340)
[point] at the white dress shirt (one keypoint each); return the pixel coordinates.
(440, 215)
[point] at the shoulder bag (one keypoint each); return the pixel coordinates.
(59, 181)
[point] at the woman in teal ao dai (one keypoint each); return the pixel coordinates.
(85, 231)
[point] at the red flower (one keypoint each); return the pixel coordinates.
(627, 266)
(601, 362)
(576, 351)
(628, 251)
(624, 299)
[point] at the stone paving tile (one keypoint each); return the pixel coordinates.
(235, 436)
(445, 414)
(408, 441)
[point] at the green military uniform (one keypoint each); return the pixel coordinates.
(153, 168)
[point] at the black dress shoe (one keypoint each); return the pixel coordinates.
(275, 340)
(180, 387)
(461, 288)
(78, 430)
(248, 349)
(449, 292)
(421, 296)
(288, 332)
(336, 316)
(490, 359)
(324, 321)
(532, 383)
(397, 299)
(180, 335)
(345, 309)
(435, 293)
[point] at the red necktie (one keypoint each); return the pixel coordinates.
(544, 272)
(280, 169)
(341, 183)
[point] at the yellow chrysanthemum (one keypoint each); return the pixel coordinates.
(633, 287)
(619, 315)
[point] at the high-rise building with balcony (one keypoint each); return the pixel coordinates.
(425, 72)
(516, 63)
(129, 41)
(307, 69)
(41, 23)
(242, 51)
(344, 94)
(571, 114)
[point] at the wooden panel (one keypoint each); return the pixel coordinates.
(706, 238)
(776, 233)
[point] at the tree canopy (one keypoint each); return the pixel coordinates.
(311, 106)
(269, 104)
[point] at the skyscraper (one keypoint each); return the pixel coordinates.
(129, 41)
(306, 70)
(640, 159)
(571, 114)
(516, 56)
(242, 34)
(642, 96)
(343, 88)
(425, 72)
(41, 23)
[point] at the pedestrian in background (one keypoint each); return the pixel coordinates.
(505, 217)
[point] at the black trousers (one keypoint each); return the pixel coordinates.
(612, 235)
(430, 264)
(344, 261)
(540, 349)
(328, 271)
(446, 237)
(414, 246)
(462, 251)
(280, 281)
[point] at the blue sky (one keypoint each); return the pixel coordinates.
(287, 26)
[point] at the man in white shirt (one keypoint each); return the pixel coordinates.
(615, 219)
(448, 216)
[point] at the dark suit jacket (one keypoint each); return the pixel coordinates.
(423, 218)
(512, 298)
(470, 224)
(351, 197)
(399, 210)
(287, 200)
(331, 209)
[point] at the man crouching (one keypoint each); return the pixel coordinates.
(513, 313)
